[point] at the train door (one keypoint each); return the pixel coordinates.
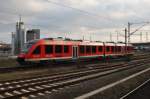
(75, 52)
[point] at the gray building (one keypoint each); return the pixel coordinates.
(18, 39)
(32, 34)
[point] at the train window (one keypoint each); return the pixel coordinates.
(82, 49)
(58, 49)
(119, 48)
(128, 48)
(88, 49)
(100, 48)
(113, 49)
(93, 49)
(107, 48)
(66, 49)
(116, 48)
(48, 49)
(37, 50)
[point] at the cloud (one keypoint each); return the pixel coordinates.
(59, 17)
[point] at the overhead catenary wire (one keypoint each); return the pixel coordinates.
(79, 10)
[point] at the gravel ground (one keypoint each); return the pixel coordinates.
(34, 72)
(142, 93)
(87, 86)
(47, 70)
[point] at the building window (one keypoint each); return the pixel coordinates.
(100, 48)
(82, 49)
(58, 49)
(48, 49)
(88, 49)
(66, 49)
(37, 50)
(107, 48)
(93, 49)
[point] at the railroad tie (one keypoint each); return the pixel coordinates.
(2, 88)
(15, 82)
(38, 87)
(28, 80)
(1, 96)
(7, 83)
(26, 84)
(10, 87)
(32, 89)
(46, 86)
(60, 88)
(32, 96)
(18, 85)
(54, 90)
(41, 94)
(17, 92)
(22, 81)
(33, 83)
(34, 79)
(48, 92)
(24, 90)
(8, 94)
(24, 97)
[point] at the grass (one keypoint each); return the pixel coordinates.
(8, 62)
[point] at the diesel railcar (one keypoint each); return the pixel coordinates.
(49, 49)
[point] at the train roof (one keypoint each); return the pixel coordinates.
(76, 42)
(109, 44)
(120, 44)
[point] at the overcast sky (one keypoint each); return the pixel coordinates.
(75, 18)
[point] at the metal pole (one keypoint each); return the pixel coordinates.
(117, 36)
(13, 43)
(129, 32)
(90, 37)
(125, 40)
(83, 38)
(140, 36)
(110, 37)
(146, 36)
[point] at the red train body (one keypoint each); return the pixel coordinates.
(45, 50)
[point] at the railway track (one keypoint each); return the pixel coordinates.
(84, 64)
(46, 84)
(139, 91)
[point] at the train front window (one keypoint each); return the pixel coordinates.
(37, 50)
(28, 45)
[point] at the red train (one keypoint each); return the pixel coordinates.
(49, 49)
